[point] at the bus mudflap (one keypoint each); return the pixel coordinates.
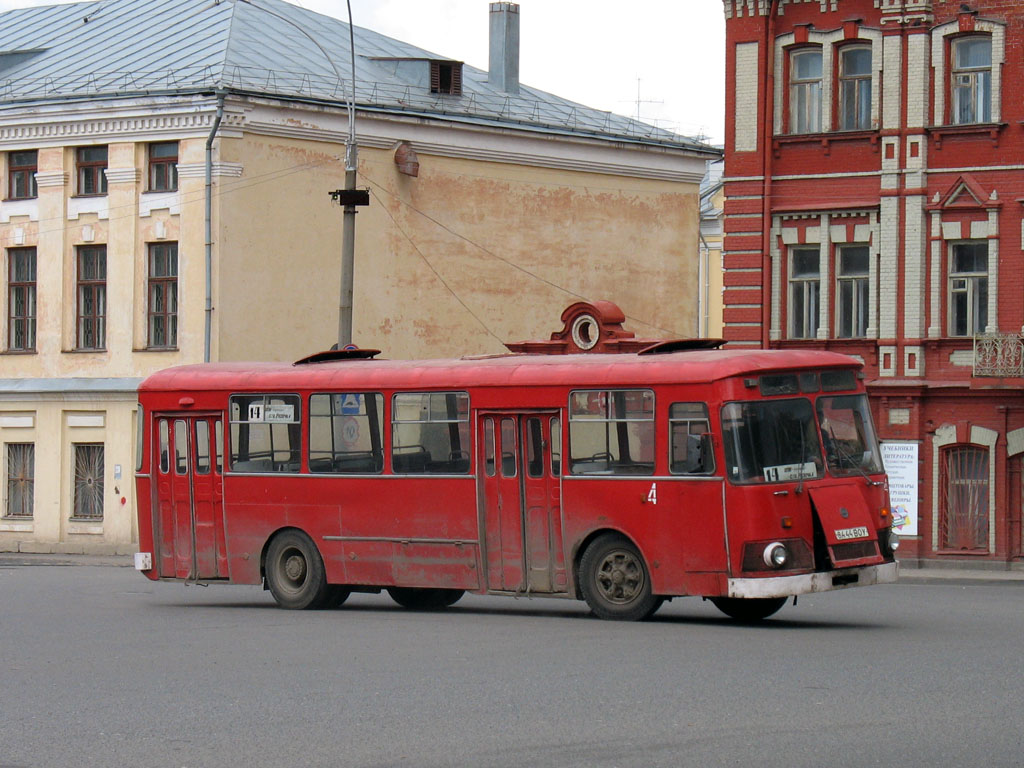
(806, 583)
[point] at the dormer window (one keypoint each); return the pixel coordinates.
(446, 77)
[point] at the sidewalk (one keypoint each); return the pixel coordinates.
(910, 573)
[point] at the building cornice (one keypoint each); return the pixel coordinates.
(174, 118)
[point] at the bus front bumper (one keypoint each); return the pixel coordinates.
(786, 586)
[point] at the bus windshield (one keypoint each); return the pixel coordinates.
(850, 443)
(772, 441)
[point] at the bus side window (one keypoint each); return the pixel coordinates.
(508, 448)
(430, 433)
(165, 448)
(180, 447)
(611, 432)
(265, 433)
(218, 435)
(534, 448)
(346, 433)
(202, 447)
(689, 430)
(556, 447)
(489, 468)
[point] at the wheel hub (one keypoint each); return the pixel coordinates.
(620, 577)
(295, 568)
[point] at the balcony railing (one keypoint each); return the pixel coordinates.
(999, 355)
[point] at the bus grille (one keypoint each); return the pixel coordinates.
(854, 550)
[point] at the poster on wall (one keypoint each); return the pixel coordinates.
(900, 461)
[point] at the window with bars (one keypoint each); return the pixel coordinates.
(968, 288)
(805, 91)
(21, 460)
(964, 509)
(971, 84)
(92, 297)
(88, 501)
(91, 165)
(21, 299)
(855, 88)
(852, 292)
(446, 77)
(21, 174)
(162, 307)
(163, 166)
(804, 292)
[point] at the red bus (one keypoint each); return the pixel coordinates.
(744, 477)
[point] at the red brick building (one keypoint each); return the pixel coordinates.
(874, 176)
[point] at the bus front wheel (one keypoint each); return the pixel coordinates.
(615, 581)
(749, 608)
(295, 572)
(425, 599)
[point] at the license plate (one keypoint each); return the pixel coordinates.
(859, 532)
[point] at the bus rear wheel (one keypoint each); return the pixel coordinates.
(615, 581)
(295, 572)
(425, 599)
(749, 608)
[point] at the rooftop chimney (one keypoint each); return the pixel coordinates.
(504, 59)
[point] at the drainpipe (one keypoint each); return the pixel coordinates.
(209, 226)
(766, 224)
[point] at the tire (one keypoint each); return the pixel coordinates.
(749, 608)
(425, 599)
(295, 572)
(336, 595)
(615, 581)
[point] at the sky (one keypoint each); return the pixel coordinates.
(661, 60)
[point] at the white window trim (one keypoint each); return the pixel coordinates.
(829, 41)
(981, 26)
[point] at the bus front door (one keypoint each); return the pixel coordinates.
(521, 498)
(189, 529)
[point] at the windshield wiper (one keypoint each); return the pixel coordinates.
(844, 455)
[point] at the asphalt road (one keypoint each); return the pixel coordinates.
(101, 667)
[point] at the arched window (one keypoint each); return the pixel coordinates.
(805, 91)
(971, 85)
(855, 88)
(964, 489)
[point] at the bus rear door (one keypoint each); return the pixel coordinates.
(189, 529)
(521, 501)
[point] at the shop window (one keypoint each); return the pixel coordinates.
(805, 91)
(968, 288)
(804, 292)
(852, 292)
(971, 85)
(21, 299)
(855, 88)
(21, 461)
(88, 501)
(964, 507)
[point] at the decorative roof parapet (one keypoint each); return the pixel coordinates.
(906, 11)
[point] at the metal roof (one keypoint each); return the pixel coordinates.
(123, 48)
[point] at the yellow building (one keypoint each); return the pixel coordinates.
(169, 202)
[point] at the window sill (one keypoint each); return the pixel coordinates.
(159, 191)
(824, 139)
(90, 351)
(20, 352)
(941, 132)
(155, 349)
(19, 199)
(98, 194)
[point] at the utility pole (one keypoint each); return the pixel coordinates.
(349, 198)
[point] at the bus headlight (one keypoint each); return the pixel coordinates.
(894, 540)
(776, 555)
